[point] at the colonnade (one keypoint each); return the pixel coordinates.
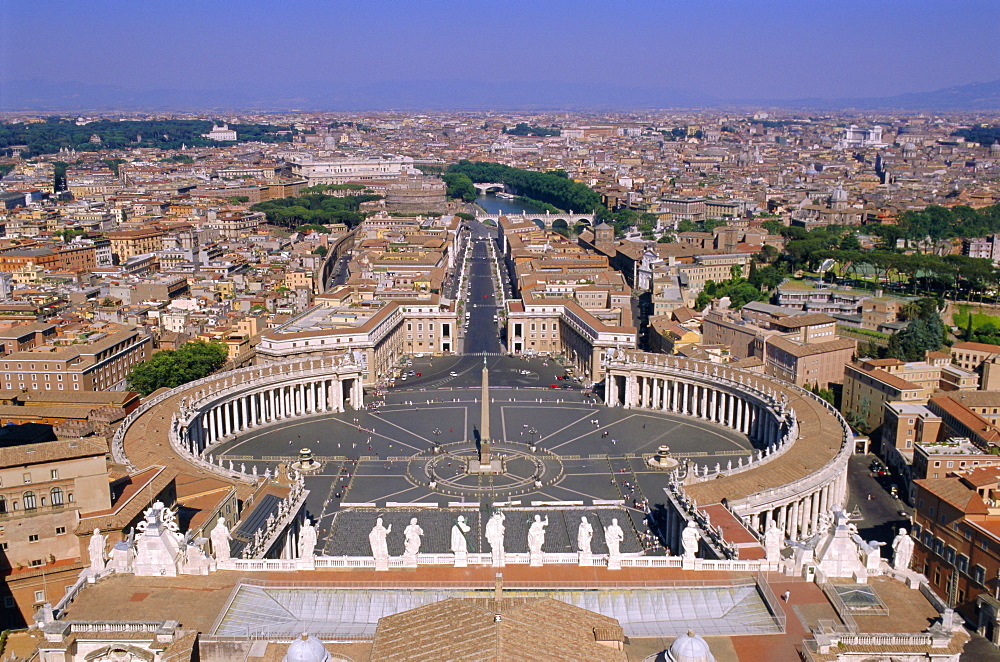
(799, 517)
(753, 407)
(241, 411)
(711, 401)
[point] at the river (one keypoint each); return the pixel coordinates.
(494, 205)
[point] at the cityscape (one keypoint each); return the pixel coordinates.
(531, 332)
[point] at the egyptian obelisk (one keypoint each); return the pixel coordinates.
(484, 419)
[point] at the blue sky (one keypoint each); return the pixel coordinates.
(723, 48)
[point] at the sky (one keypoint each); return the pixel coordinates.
(719, 48)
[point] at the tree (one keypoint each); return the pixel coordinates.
(772, 226)
(459, 186)
(850, 242)
(465, 216)
(858, 419)
(320, 250)
(172, 368)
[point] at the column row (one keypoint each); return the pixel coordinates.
(800, 518)
(693, 399)
(273, 404)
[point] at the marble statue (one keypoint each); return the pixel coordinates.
(411, 543)
(773, 539)
(307, 540)
(458, 543)
(613, 537)
(380, 550)
(96, 549)
(689, 540)
(220, 540)
(902, 548)
(584, 536)
(494, 536)
(536, 534)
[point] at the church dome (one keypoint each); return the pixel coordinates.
(306, 648)
(690, 648)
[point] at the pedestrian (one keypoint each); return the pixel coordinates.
(786, 595)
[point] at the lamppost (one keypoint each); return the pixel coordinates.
(437, 437)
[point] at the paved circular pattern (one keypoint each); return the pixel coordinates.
(444, 470)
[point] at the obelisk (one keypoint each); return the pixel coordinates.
(484, 419)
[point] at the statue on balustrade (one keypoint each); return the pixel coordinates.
(220, 540)
(307, 540)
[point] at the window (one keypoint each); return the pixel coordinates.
(978, 574)
(3, 505)
(60, 530)
(56, 495)
(8, 602)
(33, 537)
(27, 478)
(29, 501)
(39, 595)
(963, 563)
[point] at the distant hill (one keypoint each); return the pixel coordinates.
(46, 96)
(974, 96)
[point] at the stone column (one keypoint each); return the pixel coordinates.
(793, 521)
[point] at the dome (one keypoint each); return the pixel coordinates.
(690, 648)
(306, 648)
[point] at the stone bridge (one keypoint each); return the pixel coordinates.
(492, 187)
(543, 219)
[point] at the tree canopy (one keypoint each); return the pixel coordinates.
(171, 368)
(525, 129)
(319, 208)
(54, 133)
(542, 186)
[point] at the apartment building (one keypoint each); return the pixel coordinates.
(957, 530)
(870, 383)
(126, 244)
(97, 357)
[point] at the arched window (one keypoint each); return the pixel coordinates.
(3, 504)
(56, 495)
(28, 498)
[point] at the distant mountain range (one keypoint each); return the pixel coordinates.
(50, 97)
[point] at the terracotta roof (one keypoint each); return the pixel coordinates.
(809, 349)
(52, 451)
(953, 492)
(487, 629)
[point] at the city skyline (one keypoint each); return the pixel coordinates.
(435, 55)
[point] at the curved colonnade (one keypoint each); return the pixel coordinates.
(797, 473)
(222, 407)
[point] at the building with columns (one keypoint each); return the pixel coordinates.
(378, 332)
